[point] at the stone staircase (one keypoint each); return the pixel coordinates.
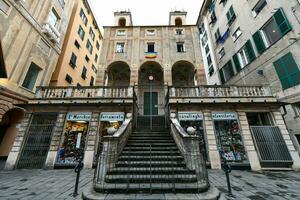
(150, 162)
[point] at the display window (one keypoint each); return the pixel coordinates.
(195, 120)
(229, 138)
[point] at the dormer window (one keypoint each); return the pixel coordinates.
(178, 21)
(179, 31)
(122, 22)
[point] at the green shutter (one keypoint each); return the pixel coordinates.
(236, 63)
(287, 71)
(250, 51)
(282, 22)
(259, 43)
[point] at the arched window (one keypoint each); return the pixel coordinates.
(178, 21)
(122, 22)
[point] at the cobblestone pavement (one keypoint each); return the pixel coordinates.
(59, 184)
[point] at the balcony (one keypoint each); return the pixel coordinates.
(95, 94)
(51, 33)
(220, 94)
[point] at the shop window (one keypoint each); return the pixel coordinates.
(229, 138)
(237, 33)
(230, 15)
(272, 31)
(83, 73)
(120, 47)
(73, 144)
(81, 32)
(89, 46)
(150, 47)
(31, 76)
(92, 81)
(92, 34)
(226, 72)
(180, 47)
(83, 17)
(53, 18)
(179, 31)
(4, 6)
(73, 60)
(259, 119)
(258, 7)
(178, 21)
(69, 79)
(287, 71)
(77, 45)
(121, 32)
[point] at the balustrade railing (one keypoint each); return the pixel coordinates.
(83, 92)
(220, 91)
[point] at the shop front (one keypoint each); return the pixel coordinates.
(74, 139)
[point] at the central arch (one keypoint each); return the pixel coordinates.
(183, 73)
(151, 88)
(118, 74)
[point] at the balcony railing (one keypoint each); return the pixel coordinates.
(208, 91)
(51, 32)
(84, 92)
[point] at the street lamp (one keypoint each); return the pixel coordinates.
(150, 79)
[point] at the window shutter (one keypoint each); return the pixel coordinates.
(259, 43)
(283, 24)
(250, 51)
(236, 62)
(287, 71)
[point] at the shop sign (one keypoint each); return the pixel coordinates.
(79, 116)
(224, 116)
(190, 116)
(112, 116)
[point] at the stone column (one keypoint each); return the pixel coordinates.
(213, 152)
(248, 142)
(294, 153)
(16, 148)
(91, 141)
(58, 132)
(167, 74)
(134, 74)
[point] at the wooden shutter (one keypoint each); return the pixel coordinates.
(259, 43)
(250, 51)
(282, 22)
(236, 62)
(287, 71)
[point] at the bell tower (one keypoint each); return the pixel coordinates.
(123, 18)
(177, 18)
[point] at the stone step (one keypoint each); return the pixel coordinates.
(148, 170)
(150, 141)
(154, 133)
(166, 145)
(152, 158)
(148, 153)
(137, 136)
(147, 178)
(153, 164)
(147, 148)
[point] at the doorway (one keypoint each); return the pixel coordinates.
(150, 103)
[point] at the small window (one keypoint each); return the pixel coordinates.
(4, 6)
(62, 3)
(97, 45)
(179, 31)
(178, 21)
(230, 15)
(120, 48)
(150, 47)
(204, 39)
(87, 58)
(296, 109)
(237, 33)
(151, 32)
(259, 119)
(53, 18)
(92, 34)
(96, 58)
(180, 47)
(77, 44)
(94, 68)
(89, 46)
(207, 49)
(73, 60)
(69, 79)
(222, 53)
(213, 18)
(209, 61)
(121, 32)
(92, 81)
(122, 22)
(211, 70)
(226, 72)
(83, 73)
(81, 32)
(258, 7)
(31, 76)
(83, 17)
(217, 35)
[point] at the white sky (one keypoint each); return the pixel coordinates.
(145, 12)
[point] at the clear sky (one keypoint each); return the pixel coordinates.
(145, 12)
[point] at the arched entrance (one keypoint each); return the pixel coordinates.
(118, 74)
(183, 73)
(8, 132)
(151, 89)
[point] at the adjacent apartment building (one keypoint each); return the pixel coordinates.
(255, 42)
(31, 37)
(77, 64)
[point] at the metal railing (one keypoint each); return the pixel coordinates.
(83, 92)
(220, 91)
